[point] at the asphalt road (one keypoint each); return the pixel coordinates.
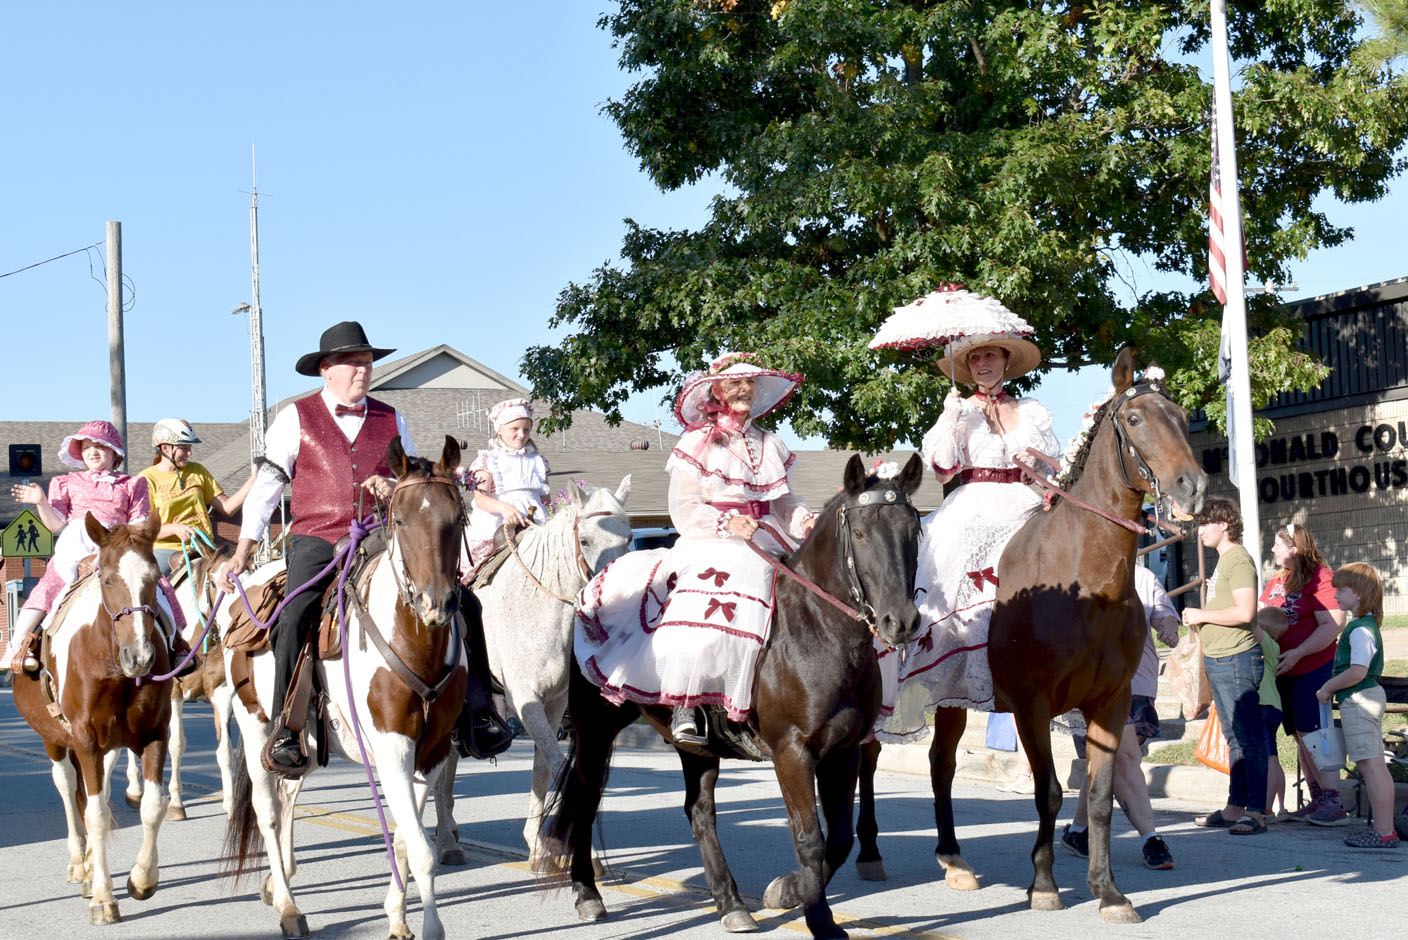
(1294, 881)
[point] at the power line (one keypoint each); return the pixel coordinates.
(55, 258)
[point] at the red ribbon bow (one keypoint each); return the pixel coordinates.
(987, 574)
(726, 606)
(719, 576)
(359, 411)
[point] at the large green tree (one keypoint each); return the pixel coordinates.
(865, 151)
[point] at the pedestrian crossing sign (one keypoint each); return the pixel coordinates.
(26, 537)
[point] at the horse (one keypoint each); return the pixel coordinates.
(196, 592)
(1066, 601)
(105, 641)
(401, 692)
(526, 610)
(817, 695)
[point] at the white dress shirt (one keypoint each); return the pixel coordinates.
(281, 443)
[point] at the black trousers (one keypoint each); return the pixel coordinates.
(306, 556)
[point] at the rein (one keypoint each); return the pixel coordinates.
(583, 569)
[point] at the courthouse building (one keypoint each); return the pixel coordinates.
(1337, 461)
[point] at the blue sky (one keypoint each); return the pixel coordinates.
(438, 171)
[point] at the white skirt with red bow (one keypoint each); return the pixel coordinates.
(956, 584)
(678, 626)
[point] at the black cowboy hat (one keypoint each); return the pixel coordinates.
(344, 337)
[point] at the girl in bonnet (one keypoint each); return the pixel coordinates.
(511, 478)
(96, 486)
(685, 625)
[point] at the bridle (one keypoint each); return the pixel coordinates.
(405, 586)
(584, 570)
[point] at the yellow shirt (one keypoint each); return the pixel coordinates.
(183, 496)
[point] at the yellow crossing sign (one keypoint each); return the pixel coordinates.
(26, 537)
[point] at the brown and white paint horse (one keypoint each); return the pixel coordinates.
(412, 601)
(105, 642)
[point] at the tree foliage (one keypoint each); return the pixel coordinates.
(866, 151)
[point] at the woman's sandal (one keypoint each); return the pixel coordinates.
(1247, 826)
(1214, 820)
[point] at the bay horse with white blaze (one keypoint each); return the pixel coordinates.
(400, 682)
(103, 644)
(1068, 630)
(817, 695)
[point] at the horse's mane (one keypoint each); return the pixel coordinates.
(419, 466)
(549, 547)
(1076, 465)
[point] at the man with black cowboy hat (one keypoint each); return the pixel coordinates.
(327, 447)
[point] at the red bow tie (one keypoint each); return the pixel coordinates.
(358, 410)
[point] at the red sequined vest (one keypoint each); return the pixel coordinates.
(329, 470)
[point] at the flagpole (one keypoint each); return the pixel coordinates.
(1241, 446)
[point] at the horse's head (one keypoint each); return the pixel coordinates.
(602, 528)
(426, 522)
(877, 535)
(127, 586)
(1152, 436)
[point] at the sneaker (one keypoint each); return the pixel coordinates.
(1156, 854)
(1022, 783)
(1368, 838)
(683, 727)
(1330, 813)
(1078, 842)
(1302, 813)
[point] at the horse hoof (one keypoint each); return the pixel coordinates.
(75, 874)
(779, 896)
(598, 869)
(104, 912)
(452, 856)
(591, 910)
(739, 922)
(1047, 901)
(266, 892)
(133, 801)
(546, 864)
(1121, 914)
(294, 927)
(871, 871)
(139, 894)
(175, 813)
(960, 880)
(87, 887)
(400, 932)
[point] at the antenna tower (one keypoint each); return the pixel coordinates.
(258, 413)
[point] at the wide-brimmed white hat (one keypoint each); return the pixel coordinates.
(771, 390)
(960, 320)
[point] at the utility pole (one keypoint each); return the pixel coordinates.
(117, 368)
(257, 416)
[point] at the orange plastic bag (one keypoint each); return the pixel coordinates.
(1212, 746)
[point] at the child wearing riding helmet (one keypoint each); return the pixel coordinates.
(510, 478)
(182, 491)
(95, 451)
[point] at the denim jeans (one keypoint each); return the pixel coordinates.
(1235, 680)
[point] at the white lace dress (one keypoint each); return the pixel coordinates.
(685, 625)
(520, 479)
(959, 548)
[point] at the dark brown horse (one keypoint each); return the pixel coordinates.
(817, 694)
(105, 641)
(1067, 632)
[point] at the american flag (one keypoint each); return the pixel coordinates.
(1217, 260)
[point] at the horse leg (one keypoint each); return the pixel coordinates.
(701, 774)
(1035, 732)
(133, 793)
(177, 744)
(869, 865)
(66, 781)
(943, 764)
(805, 886)
(395, 759)
(221, 701)
(102, 908)
(266, 803)
(142, 880)
(447, 834)
(1102, 740)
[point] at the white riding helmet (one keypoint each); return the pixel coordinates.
(173, 431)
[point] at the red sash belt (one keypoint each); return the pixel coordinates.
(990, 475)
(757, 508)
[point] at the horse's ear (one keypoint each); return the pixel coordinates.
(152, 525)
(912, 474)
(396, 457)
(1122, 375)
(623, 492)
(96, 530)
(450, 456)
(854, 478)
(574, 492)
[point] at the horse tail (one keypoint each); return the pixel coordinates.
(242, 837)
